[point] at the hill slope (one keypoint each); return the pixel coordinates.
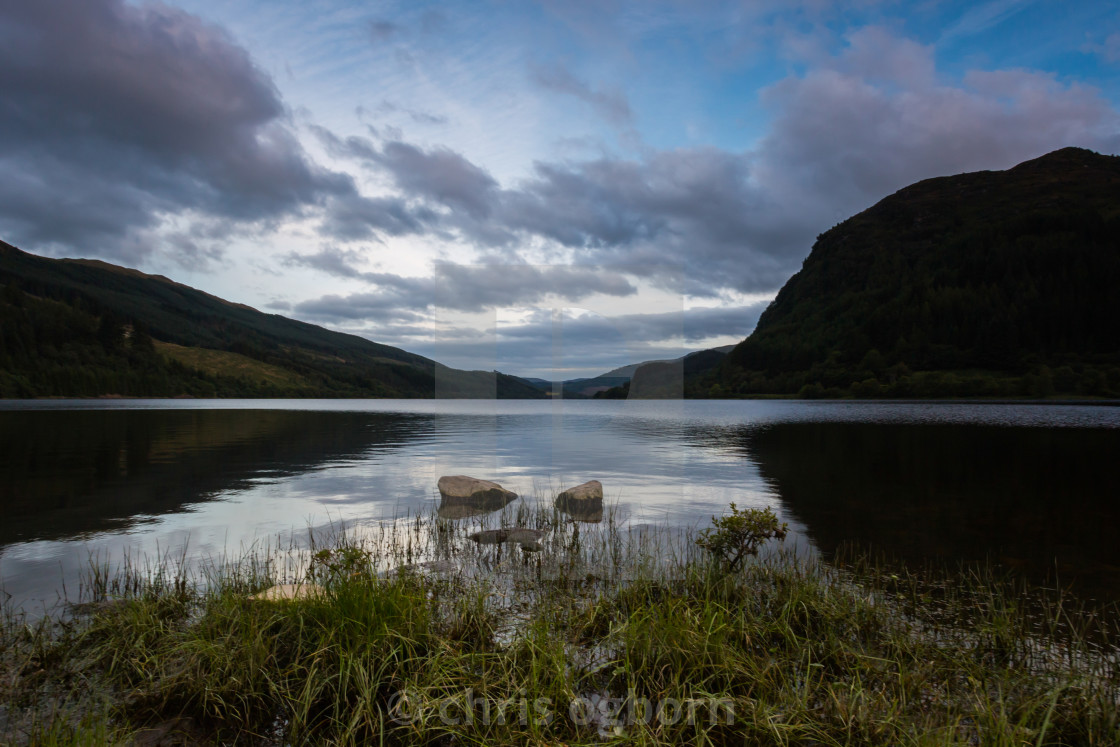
(88, 328)
(991, 283)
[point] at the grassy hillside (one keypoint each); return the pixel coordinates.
(233, 365)
(984, 284)
(88, 328)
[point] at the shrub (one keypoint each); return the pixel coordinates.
(741, 534)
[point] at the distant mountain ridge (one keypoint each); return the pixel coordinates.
(994, 283)
(667, 379)
(615, 383)
(77, 327)
(630, 370)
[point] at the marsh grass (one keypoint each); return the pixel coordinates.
(608, 634)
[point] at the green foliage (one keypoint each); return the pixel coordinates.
(333, 565)
(736, 537)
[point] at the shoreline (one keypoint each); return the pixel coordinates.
(607, 633)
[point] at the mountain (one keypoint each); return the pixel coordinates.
(75, 327)
(666, 379)
(996, 283)
(582, 388)
(615, 384)
(628, 371)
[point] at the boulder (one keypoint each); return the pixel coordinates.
(583, 502)
(462, 496)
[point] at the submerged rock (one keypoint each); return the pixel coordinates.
(288, 592)
(583, 502)
(433, 567)
(462, 496)
(529, 539)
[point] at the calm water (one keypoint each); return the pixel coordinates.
(1033, 487)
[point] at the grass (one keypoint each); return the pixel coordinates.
(607, 635)
(226, 363)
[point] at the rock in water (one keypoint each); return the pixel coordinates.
(462, 496)
(583, 502)
(527, 538)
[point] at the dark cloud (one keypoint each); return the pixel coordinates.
(692, 219)
(354, 217)
(332, 260)
(373, 307)
(113, 116)
(439, 175)
(611, 105)
(442, 175)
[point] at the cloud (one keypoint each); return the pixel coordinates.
(113, 117)
(417, 116)
(983, 16)
(376, 307)
(691, 219)
(691, 325)
(861, 124)
(124, 128)
(354, 217)
(611, 105)
(440, 175)
(1108, 50)
(452, 286)
(332, 260)
(841, 141)
(578, 344)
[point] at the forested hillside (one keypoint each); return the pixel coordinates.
(983, 284)
(87, 328)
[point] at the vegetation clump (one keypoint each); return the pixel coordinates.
(608, 635)
(732, 539)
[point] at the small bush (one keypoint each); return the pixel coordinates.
(733, 538)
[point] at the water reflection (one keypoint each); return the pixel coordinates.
(587, 512)
(68, 474)
(1033, 499)
(453, 507)
(1026, 485)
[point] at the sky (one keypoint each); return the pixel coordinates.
(550, 188)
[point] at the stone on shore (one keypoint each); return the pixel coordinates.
(288, 592)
